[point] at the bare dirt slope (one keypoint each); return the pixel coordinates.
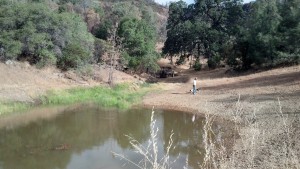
(219, 91)
(265, 105)
(22, 82)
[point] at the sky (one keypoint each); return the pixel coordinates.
(163, 2)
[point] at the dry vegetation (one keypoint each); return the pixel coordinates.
(272, 142)
(150, 152)
(262, 106)
(21, 82)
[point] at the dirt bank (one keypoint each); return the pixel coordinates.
(219, 91)
(22, 82)
(265, 106)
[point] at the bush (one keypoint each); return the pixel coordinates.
(46, 58)
(133, 62)
(100, 47)
(33, 31)
(234, 62)
(197, 66)
(73, 56)
(214, 61)
(102, 31)
(286, 59)
(138, 39)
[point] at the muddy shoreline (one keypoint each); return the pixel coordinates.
(263, 107)
(264, 104)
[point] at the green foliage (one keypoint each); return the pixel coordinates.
(121, 96)
(150, 62)
(262, 33)
(85, 70)
(26, 27)
(34, 32)
(102, 31)
(138, 39)
(267, 41)
(73, 56)
(10, 107)
(214, 61)
(137, 36)
(127, 9)
(46, 58)
(197, 66)
(176, 34)
(200, 28)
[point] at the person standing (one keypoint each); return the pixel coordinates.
(194, 86)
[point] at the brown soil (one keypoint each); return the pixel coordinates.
(260, 100)
(22, 82)
(220, 90)
(264, 104)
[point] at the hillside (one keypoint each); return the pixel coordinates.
(70, 34)
(21, 82)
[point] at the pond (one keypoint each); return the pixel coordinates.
(85, 137)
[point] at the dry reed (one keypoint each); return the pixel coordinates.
(150, 152)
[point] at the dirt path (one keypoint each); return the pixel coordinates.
(267, 114)
(219, 92)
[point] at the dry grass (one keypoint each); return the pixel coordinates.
(269, 142)
(259, 142)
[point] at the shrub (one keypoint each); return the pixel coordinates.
(233, 62)
(46, 58)
(133, 62)
(73, 56)
(150, 152)
(197, 66)
(102, 31)
(214, 61)
(100, 47)
(33, 31)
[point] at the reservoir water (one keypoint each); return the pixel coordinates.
(86, 137)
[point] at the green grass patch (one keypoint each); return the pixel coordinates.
(7, 108)
(122, 96)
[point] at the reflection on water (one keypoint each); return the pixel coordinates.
(83, 138)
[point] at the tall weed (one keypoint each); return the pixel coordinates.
(256, 145)
(150, 152)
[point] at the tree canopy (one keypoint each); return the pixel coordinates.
(34, 32)
(60, 33)
(138, 42)
(261, 33)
